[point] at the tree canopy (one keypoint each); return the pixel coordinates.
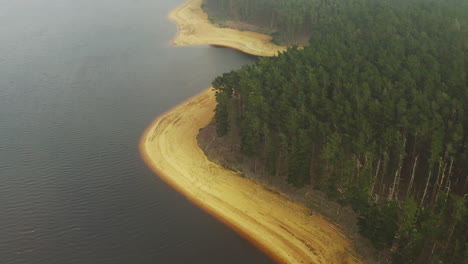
(373, 111)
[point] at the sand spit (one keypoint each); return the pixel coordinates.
(196, 29)
(279, 227)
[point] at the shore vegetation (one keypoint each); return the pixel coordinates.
(281, 228)
(373, 112)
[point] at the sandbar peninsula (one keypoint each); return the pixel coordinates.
(281, 228)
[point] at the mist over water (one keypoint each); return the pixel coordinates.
(79, 82)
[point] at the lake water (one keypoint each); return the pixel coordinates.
(79, 83)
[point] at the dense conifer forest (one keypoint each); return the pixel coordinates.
(374, 112)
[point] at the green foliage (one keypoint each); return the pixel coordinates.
(379, 224)
(466, 253)
(219, 21)
(221, 115)
(290, 18)
(373, 111)
(276, 38)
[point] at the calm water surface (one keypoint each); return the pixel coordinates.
(79, 82)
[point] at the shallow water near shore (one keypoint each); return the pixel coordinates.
(79, 82)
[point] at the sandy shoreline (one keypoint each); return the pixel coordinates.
(196, 29)
(282, 229)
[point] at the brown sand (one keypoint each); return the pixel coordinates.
(196, 29)
(279, 227)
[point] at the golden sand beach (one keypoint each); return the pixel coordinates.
(282, 229)
(196, 29)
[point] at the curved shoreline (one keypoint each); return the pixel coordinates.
(145, 146)
(279, 227)
(282, 229)
(195, 29)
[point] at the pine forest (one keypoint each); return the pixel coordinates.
(374, 112)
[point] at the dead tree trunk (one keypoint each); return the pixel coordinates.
(375, 178)
(438, 177)
(392, 189)
(425, 189)
(441, 183)
(412, 175)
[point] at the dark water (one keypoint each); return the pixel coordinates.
(79, 82)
